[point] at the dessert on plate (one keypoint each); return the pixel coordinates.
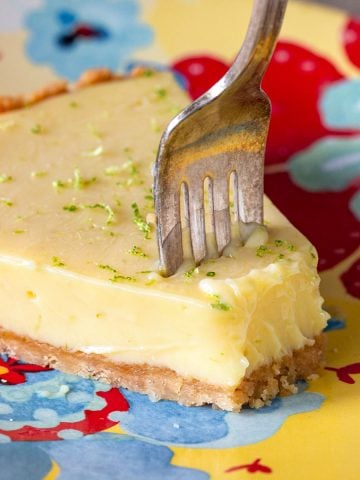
(79, 287)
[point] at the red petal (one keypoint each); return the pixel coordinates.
(351, 279)
(29, 367)
(13, 378)
(352, 368)
(11, 361)
(351, 40)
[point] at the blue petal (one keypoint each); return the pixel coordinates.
(340, 105)
(167, 421)
(355, 205)
(110, 457)
(23, 461)
(202, 427)
(328, 165)
(66, 17)
(334, 324)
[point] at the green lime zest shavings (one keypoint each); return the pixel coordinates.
(279, 243)
(189, 273)
(284, 243)
(218, 304)
(17, 232)
(73, 104)
(107, 267)
(137, 251)
(160, 92)
(121, 278)
(56, 262)
(38, 174)
(149, 196)
(140, 221)
(130, 167)
(210, 274)
(110, 212)
(37, 129)
(5, 178)
(312, 253)
(263, 250)
(117, 277)
(147, 73)
(95, 152)
(112, 170)
(71, 208)
(6, 201)
(58, 184)
(80, 182)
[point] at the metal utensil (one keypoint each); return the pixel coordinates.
(220, 135)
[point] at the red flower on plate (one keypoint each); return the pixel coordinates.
(253, 467)
(344, 374)
(351, 279)
(351, 40)
(12, 372)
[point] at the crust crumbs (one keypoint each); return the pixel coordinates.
(256, 390)
(51, 90)
(94, 76)
(140, 71)
(88, 78)
(8, 103)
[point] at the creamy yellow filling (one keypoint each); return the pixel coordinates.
(78, 254)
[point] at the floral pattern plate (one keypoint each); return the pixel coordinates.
(59, 426)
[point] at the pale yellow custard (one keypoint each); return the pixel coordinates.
(78, 256)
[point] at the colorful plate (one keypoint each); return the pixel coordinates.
(54, 425)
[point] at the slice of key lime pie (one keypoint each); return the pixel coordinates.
(79, 287)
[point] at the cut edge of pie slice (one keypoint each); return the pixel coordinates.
(79, 286)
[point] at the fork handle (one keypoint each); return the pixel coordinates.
(255, 53)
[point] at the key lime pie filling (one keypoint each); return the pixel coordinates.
(79, 285)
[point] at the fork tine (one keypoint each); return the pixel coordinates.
(169, 233)
(221, 213)
(250, 190)
(197, 220)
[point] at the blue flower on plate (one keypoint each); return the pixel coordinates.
(166, 422)
(73, 36)
(334, 324)
(98, 457)
(47, 399)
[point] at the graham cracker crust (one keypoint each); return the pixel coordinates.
(88, 78)
(256, 390)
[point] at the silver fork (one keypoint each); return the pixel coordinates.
(220, 135)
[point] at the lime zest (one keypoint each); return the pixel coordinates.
(140, 221)
(56, 262)
(218, 304)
